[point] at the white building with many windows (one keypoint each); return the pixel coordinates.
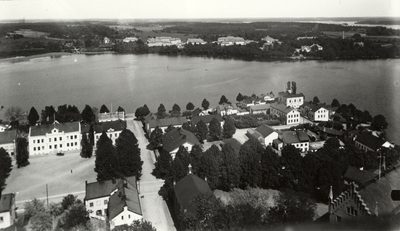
(290, 99)
(54, 138)
(315, 112)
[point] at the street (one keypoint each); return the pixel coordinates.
(154, 208)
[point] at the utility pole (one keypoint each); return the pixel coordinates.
(47, 195)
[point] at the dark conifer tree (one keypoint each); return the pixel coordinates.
(215, 129)
(129, 154)
(229, 128)
(5, 168)
(201, 131)
(106, 163)
(87, 115)
(22, 154)
(33, 116)
(104, 109)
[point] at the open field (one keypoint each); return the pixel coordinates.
(55, 171)
(31, 33)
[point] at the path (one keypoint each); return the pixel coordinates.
(154, 207)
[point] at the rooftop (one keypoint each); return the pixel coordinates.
(370, 141)
(42, 130)
(282, 107)
(207, 118)
(6, 202)
(127, 195)
(314, 107)
(290, 137)
(7, 137)
(100, 189)
(187, 189)
(167, 121)
(177, 137)
(117, 125)
(290, 95)
(264, 130)
(358, 176)
(260, 107)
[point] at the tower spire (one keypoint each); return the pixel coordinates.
(330, 200)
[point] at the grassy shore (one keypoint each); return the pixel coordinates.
(25, 58)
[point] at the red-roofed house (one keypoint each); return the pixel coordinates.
(7, 210)
(53, 138)
(114, 200)
(176, 138)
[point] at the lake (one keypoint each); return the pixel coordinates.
(130, 81)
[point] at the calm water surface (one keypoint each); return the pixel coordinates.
(131, 81)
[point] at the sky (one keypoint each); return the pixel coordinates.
(171, 9)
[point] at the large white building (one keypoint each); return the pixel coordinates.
(114, 200)
(163, 41)
(54, 138)
(230, 40)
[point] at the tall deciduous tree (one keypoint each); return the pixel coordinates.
(229, 128)
(292, 208)
(201, 131)
(129, 154)
(77, 216)
(215, 129)
(195, 158)
(189, 106)
(205, 104)
(87, 148)
(210, 166)
(5, 168)
(42, 220)
(379, 122)
(22, 154)
(137, 225)
(87, 115)
(13, 113)
(33, 116)
(106, 163)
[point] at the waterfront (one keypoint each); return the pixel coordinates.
(133, 80)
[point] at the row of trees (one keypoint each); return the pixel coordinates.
(214, 131)
(121, 160)
(256, 166)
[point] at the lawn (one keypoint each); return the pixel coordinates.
(55, 171)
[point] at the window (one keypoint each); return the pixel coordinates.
(60, 145)
(116, 135)
(67, 144)
(105, 202)
(55, 138)
(38, 141)
(110, 135)
(72, 137)
(34, 149)
(49, 146)
(75, 136)
(91, 204)
(122, 217)
(38, 148)
(55, 146)
(60, 138)
(76, 143)
(98, 212)
(1, 219)
(42, 140)
(34, 141)
(49, 139)
(129, 216)
(72, 144)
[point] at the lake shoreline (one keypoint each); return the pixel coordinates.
(25, 58)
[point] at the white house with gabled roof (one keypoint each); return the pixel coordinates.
(290, 114)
